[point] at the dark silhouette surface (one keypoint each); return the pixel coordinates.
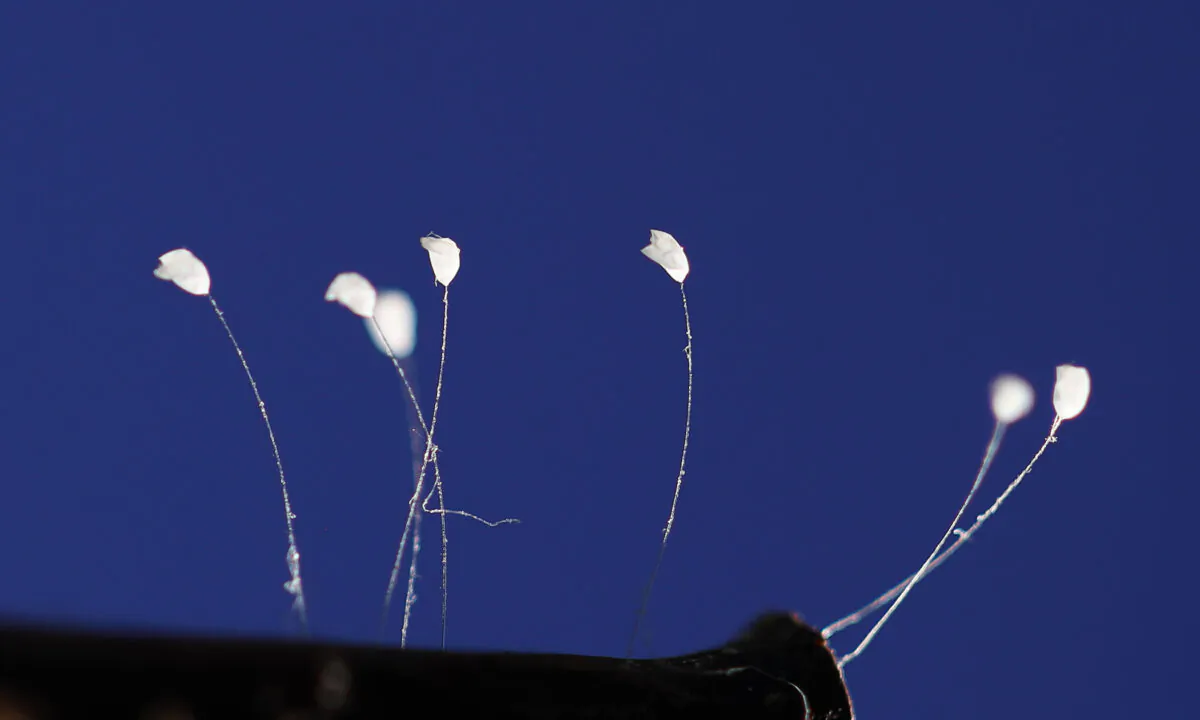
(779, 667)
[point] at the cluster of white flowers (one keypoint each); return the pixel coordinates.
(391, 321)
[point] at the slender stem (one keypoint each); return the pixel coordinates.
(411, 524)
(293, 586)
(993, 446)
(687, 433)
(963, 536)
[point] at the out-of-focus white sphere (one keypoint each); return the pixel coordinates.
(396, 315)
(1012, 398)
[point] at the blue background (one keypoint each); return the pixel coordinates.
(883, 208)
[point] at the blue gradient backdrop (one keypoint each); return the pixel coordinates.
(883, 208)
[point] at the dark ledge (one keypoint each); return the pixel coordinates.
(778, 667)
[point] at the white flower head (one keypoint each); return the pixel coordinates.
(666, 251)
(1072, 387)
(443, 256)
(185, 270)
(1012, 398)
(354, 291)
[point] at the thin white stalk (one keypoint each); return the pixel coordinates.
(294, 586)
(963, 536)
(687, 433)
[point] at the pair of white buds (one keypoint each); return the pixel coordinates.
(1011, 399)
(1012, 395)
(358, 295)
(183, 268)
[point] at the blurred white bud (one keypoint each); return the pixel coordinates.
(1012, 398)
(397, 318)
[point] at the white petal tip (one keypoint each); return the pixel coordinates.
(666, 251)
(353, 291)
(1012, 398)
(397, 317)
(184, 269)
(1072, 387)
(443, 256)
